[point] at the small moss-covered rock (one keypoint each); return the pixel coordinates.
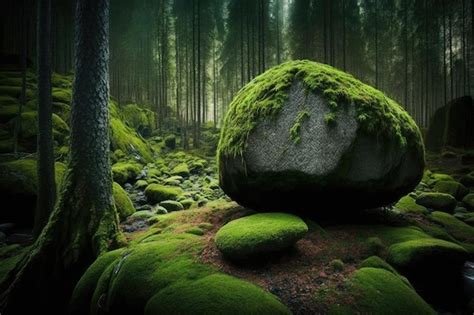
(377, 262)
(122, 202)
(259, 234)
(468, 180)
(437, 201)
(215, 294)
(141, 184)
(156, 193)
(180, 170)
(337, 265)
(172, 205)
(408, 205)
(455, 189)
(468, 200)
(380, 291)
(125, 172)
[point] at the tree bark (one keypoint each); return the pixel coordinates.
(84, 224)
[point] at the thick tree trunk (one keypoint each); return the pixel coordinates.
(84, 224)
(46, 179)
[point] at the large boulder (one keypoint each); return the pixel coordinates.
(452, 125)
(304, 134)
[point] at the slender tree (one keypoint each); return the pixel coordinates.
(46, 180)
(84, 224)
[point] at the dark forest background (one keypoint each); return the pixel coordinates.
(186, 59)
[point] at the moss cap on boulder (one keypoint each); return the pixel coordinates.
(258, 234)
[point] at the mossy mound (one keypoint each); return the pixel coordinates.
(156, 193)
(379, 291)
(125, 172)
(18, 189)
(141, 119)
(413, 254)
(126, 139)
(29, 129)
(172, 205)
(408, 205)
(123, 203)
(437, 201)
(259, 234)
(303, 130)
(137, 279)
(180, 170)
(455, 189)
(468, 200)
(215, 294)
(456, 228)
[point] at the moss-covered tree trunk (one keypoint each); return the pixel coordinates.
(46, 180)
(84, 223)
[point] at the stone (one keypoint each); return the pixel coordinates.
(437, 201)
(312, 138)
(259, 234)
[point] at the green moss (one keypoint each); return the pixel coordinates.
(455, 189)
(181, 170)
(145, 269)
(265, 95)
(187, 203)
(122, 202)
(84, 290)
(436, 177)
(157, 193)
(259, 234)
(458, 229)
(330, 119)
(62, 95)
(141, 119)
(408, 205)
(215, 294)
(391, 235)
(375, 245)
(172, 205)
(21, 176)
(380, 291)
(377, 262)
(124, 172)
(296, 129)
(196, 231)
(337, 265)
(29, 127)
(8, 112)
(468, 200)
(437, 201)
(10, 257)
(411, 253)
(126, 139)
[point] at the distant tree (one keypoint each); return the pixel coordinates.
(84, 224)
(46, 177)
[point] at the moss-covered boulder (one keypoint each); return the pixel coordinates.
(172, 205)
(125, 172)
(180, 170)
(156, 193)
(303, 130)
(259, 234)
(18, 189)
(407, 204)
(215, 294)
(411, 255)
(123, 203)
(455, 227)
(380, 291)
(437, 201)
(468, 200)
(455, 189)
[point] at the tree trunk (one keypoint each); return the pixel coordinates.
(46, 179)
(84, 224)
